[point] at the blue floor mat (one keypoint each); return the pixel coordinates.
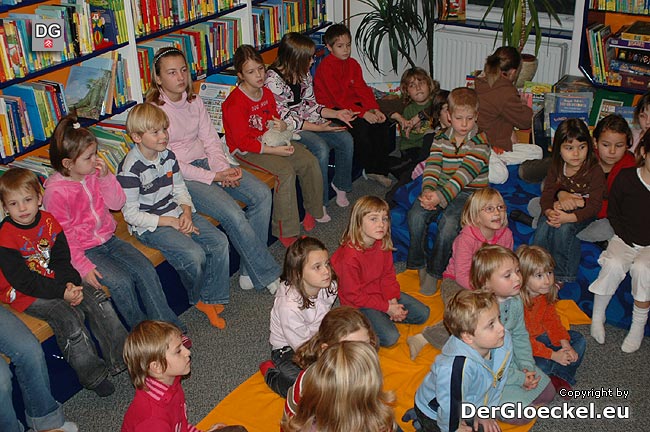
(516, 194)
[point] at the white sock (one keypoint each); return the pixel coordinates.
(598, 317)
(273, 286)
(634, 337)
(326, 218)
(341, 197)
(245, 282)
(416, 343)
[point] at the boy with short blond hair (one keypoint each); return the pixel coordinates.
(457, 166)
(339, 84)
(472, 367)
(160, 213)
(157, 360)
(37, 277)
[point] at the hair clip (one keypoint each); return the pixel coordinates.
(76, 125)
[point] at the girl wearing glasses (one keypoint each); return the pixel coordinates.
(484, 221)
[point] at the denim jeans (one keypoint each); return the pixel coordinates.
(564, 246)
(385, 328)
(19, 344)
(247, 230)
(567, 373)
(419, 220)
(128, 273)
(201, 260)
(320, 144)
(284, 374)
(73, 339)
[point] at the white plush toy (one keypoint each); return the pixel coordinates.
(275, 138)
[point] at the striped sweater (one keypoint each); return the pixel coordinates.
(451, 168)
(152, 189)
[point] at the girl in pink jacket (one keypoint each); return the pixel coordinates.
(484, 221)
(80, 195)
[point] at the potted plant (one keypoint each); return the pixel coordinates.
(519, 19)
(399, 25)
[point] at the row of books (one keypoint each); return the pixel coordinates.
(113, 143)
(625, 6)
(206, 45)
(88, 27)
(621, 59)
(273, 18)
(29, 113)
(151, 16)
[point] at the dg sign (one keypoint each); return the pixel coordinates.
(48, 34)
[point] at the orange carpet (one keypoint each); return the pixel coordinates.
(255, 406)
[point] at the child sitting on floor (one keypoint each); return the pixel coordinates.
(456, 167)
(161, 215)
(495, 269)
(342, 392)
(641, 119)
(628, 250)
(364, 263)
(340, 324)
(484, 221)
(472, 368)
(38, 278)
(306, 294)
(557, 352)
(157, 360)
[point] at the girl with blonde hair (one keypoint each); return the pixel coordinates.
(364, 263)
(349, 378)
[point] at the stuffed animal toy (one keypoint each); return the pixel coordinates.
(275, 138)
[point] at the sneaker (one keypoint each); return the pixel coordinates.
(105, 388)
(287, 241)
(265, 366)
(521, 217)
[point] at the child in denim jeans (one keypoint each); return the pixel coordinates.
(161, 215)
(457, 166)
(38, 279)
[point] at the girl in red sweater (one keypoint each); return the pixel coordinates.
(364, 264)
(556, 351)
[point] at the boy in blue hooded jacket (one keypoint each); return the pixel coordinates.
(472, 368)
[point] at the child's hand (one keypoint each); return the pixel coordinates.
(571, 353)
(279, 125)
(399, 118)
(185, 224)
(531, 380)
(346, 116)
(229, 177)
(370, 117)
(561, 356)
(73, 294)
(568, 201)
(279, 151)
(381, 117)
(564, 217)
(552, 217)
(428, 199)
(169, 221)
(101, 167)
(327, 127)
(396, 312)
(92, 279)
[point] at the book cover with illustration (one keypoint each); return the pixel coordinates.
(86, 90)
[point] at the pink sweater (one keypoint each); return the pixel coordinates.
(466, 244)
(192, 136)
(82, 209)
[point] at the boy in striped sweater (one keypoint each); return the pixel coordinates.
(457, 166)
(160, 213)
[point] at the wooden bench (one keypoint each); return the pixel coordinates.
(43, 331)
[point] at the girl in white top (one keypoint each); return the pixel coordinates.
(306, 294)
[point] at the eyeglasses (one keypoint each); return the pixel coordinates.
(492, 209)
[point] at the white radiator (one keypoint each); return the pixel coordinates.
(459, 51)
